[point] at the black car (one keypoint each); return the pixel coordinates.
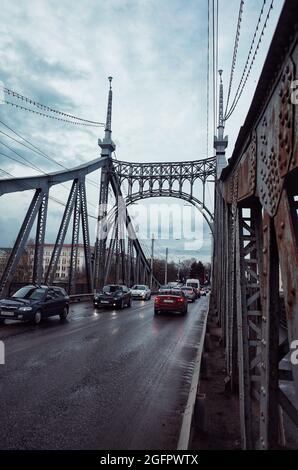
(113, 295)
(34, 303)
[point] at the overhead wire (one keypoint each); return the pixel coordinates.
(208, 67)
(235, 51)
(47, 108)
(246, 72)
(31, 165)
(38, 151)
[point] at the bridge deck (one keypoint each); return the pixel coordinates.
(115, 379)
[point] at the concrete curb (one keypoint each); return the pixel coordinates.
(185, 431)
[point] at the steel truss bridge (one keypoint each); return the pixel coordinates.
(255, 228)
(116, 241)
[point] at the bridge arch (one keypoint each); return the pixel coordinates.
(130, 199)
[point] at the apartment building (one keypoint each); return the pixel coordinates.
(64, 260)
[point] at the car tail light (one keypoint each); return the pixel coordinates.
(180, 299)
(157, 300)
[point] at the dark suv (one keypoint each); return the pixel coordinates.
(113, 295)
(34, 303)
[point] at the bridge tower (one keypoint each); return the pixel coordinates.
(220, 142)
(107, 148)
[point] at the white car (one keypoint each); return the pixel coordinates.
(140, 291)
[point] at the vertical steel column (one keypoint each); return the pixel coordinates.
(110, 255)
(249, 266)
(50, 276)
(151, 261)
(243, 357)
(117, 252)
(86, 236)
(137, 268)
(129, 262)
(74, 243)
(269, 415)
(39, 241)
(101, 239)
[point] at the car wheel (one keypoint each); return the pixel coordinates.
(2, 321)
(64, 314)
(156, 312)
(37, 317)
(129, 303)
(122, 304)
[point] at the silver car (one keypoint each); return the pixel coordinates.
(141, 291)
(189, 293)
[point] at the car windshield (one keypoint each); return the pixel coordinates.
(33, 293)
(110, 289)
(137, 287)
(187, 288)
(172, 292)
(192, 284)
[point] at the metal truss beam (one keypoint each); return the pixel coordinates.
(39, 241)
(74, 242)
(12, 185)
(256, 248)
(18, 248)
(86, 236)
(62, 232)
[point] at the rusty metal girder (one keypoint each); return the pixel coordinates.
(263, 175)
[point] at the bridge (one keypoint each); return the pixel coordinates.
(254, 297)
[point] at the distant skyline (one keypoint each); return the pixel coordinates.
(61, 53)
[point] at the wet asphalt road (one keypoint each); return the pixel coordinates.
(105, 379)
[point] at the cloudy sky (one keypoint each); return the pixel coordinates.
(61, 53)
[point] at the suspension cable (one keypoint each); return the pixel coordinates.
(235, 51)
(38, 151)
(208, 65)
(240, 90)
(48, 109)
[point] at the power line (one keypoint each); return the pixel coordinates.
(235, 51)
(215, 60)
(24, 108)
(241, 88)
(38, 151)
(208, 65)
(216, 66)
(30, 165)
(49, 109)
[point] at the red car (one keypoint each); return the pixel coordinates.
(172, 300)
